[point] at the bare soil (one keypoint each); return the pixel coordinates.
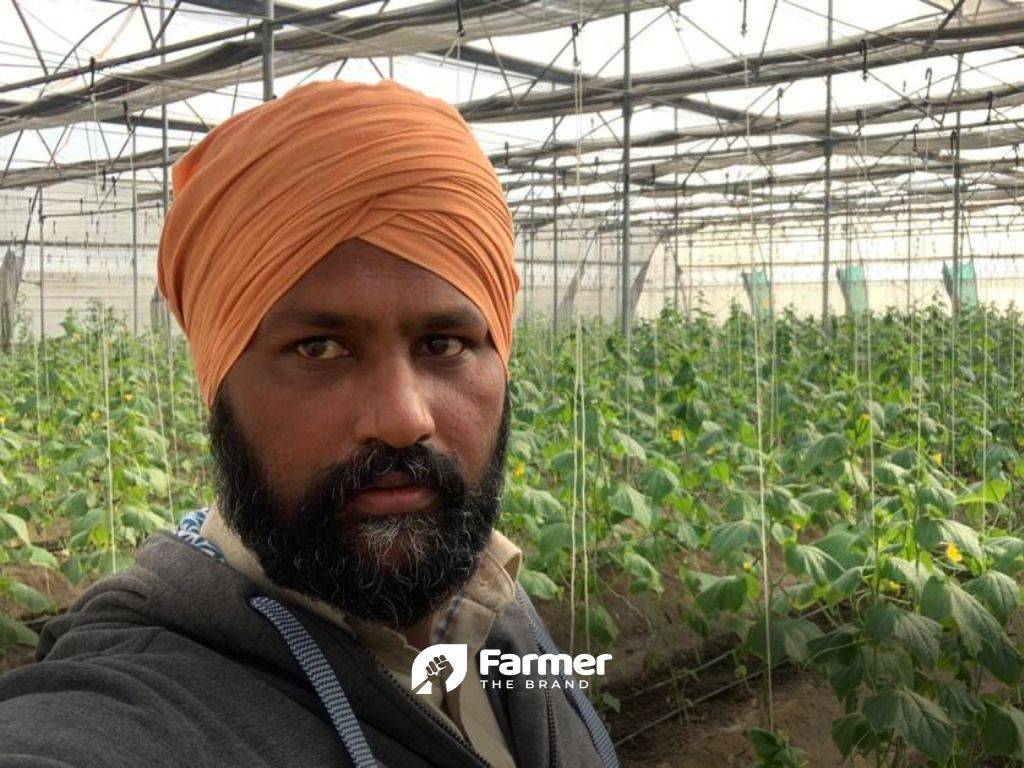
(656, 645)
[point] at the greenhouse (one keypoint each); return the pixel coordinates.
(766, 410)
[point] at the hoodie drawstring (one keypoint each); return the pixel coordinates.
(320, 675)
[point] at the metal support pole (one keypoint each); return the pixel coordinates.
(42, 271)
(165, 192)
(532, 268)
(554, 258)
(827, 233)
(527, 239)
(956, 286)
(626, 169)
(268, 50)
(135, 241)
(910, 253)
(689, 280)
(554, 228)
(675, 215)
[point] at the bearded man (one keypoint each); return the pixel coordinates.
(341, 261)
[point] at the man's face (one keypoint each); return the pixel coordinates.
(360, 437)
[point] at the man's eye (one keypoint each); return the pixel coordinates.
(444, 346)
(320, 349)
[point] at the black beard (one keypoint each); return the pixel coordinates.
(395, 569)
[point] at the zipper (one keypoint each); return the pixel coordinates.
(430, 713)
(553, 761)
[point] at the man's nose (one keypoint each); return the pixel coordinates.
(393, 404)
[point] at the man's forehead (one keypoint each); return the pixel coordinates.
(359, 284)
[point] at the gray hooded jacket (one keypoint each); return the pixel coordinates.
(170, 664)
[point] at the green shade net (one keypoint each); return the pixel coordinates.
(968, 284)
(759, 291)
(855, 289)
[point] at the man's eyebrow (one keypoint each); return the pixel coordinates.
(440, 321)
(326, 319)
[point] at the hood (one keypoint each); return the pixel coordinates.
(170, 586)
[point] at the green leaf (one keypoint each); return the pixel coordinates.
(628, 501)
(1001, 657)
(849, 582)
(993, 491)
(628, 446)
(804, 559)
(930, 532)
(543, 504)
(905, 572)
(826, 451)
(890, 475)
(936, 497)
(645, 575)
(599, 624)
(919, 721)
(76, 504)
(789, 638)
(141, 518)
(918, 634)
(1008, 552)
(659, 482)
(13, 632)
(852, 733)
(152, 439)
(887, 665)
(610, 701)
(554, 538)
(961, 705)
(1002, 733)
(997, 591)
(821, 500)
(843, 547)
(33, 555)
(157, 480)
(942, 598)
(11, 525)
(741, 506)
(734, 537)
(723, 593)
(538, 584)
(29, 597)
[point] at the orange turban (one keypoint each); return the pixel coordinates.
(269, 192)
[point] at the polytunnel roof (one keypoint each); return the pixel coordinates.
(729, 120)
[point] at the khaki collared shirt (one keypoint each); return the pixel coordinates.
(467, 618)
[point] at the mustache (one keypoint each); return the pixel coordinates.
(422, 464)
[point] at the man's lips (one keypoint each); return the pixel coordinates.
(395, 500)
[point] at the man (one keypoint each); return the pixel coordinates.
(341, 261)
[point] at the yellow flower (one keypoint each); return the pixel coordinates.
(953, 553)
(519, 471)
(3, 419)
(891, 586)
(129, 397)
(95, 415)
(676, 435)
(937, 458)
(748, 564)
